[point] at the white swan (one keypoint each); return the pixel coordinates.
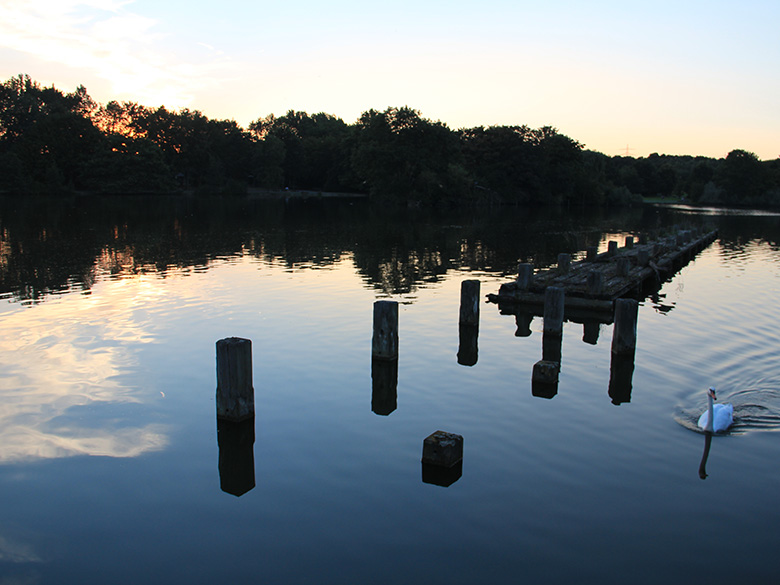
(716, 418)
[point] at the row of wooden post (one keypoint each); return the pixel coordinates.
(546, 372)
(235, 402)
(235, 393)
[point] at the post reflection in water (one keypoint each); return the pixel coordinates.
(236, 456)
(467, 346)
(544, 380)
(621, 373)
(590, 331)
(441, 476)
(623, 350)
(523, 320)
(384, 386)
(552, 347)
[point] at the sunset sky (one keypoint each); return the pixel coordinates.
(673, 77)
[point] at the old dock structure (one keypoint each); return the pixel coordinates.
(595, 282)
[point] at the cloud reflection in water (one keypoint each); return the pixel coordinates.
(64, 356)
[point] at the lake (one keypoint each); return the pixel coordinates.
(110, 467)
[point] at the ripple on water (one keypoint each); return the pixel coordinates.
(755, 409)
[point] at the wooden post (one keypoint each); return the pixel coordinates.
(564, 262)
(554, 299)
(384, 343)
(591, 253)
(642, 238)
(525, 275)
(629, 242)
(642, 257)
(442, 449)
(624, 334)
(623, 266)
(235, 394)
(595, 282)
(612, 247)
(469, 302)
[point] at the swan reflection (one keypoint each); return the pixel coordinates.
(703, 463)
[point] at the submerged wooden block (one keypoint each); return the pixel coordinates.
(442, 449)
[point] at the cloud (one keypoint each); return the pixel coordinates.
(107, 39)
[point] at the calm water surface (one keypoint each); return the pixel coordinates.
(109, 461)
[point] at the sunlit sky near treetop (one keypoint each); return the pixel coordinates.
(673, 77)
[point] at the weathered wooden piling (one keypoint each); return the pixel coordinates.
(629, 242)
(595, 282)
(554, 300)
(619, 275)
(469, 302)
(525, 275)
(235, 393)
(624, 333)
(564, 262)
(442, 449)
(591, 253)
(622, 266)
(384, 342)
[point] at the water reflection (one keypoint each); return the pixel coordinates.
(441, 476)
(705, 455)
(78, 241)
(621, 374)
(236, 442)
(384, 386)
(468, 336)
(62, 365)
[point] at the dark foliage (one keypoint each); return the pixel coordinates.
(53, 142)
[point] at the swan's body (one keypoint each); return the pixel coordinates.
(718, 417)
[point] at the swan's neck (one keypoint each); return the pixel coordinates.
(710, 414)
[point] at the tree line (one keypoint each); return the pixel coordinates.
(56, 142)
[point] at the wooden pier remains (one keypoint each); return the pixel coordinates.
(594, 283)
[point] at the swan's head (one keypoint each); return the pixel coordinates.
(711, 392)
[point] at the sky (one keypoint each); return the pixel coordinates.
(669, 77)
